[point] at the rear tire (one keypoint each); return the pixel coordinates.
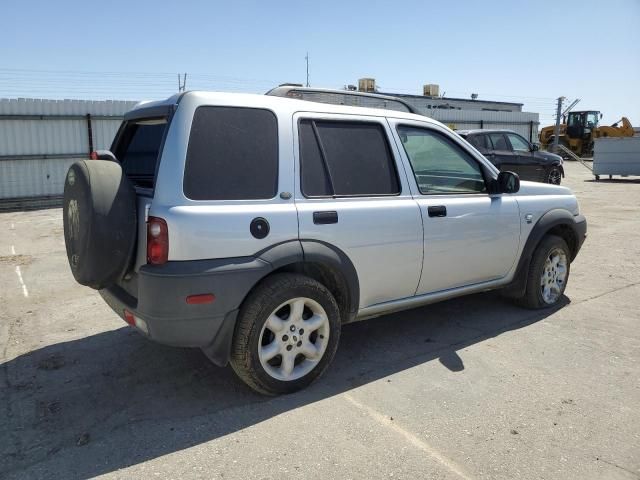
(548, 274)
(286, 335)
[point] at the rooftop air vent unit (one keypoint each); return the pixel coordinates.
(367, 84)
(431, 90)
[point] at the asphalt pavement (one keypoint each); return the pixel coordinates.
(473, 388)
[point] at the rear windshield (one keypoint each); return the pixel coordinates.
(138, 149)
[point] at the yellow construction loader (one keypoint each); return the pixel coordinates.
(581, 128)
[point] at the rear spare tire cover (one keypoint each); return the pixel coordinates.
(99, 215)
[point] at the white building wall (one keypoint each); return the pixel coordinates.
(519, 122)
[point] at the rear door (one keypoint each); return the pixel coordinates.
(352, 193)
(138, 147)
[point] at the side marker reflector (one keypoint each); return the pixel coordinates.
(200, 299)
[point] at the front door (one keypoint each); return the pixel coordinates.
(528, 166)
(352, 193)
(470, 236)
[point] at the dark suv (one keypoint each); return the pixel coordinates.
(509, 151)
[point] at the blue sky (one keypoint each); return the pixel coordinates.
(530, 52)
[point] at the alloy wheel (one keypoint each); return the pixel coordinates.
(293, 339)
(554, 276)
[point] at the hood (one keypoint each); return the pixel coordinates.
(536, 188)
(548, 157)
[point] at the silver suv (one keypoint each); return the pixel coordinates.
(253, 227)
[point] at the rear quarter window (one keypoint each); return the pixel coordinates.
(232, 154)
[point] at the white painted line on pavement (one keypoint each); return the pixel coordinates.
(13, 250)
(25, 292)
(410, 437)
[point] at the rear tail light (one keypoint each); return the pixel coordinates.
(93, 155)
(157, 241)
(129, 318)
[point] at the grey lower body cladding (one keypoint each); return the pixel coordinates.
(158, 295)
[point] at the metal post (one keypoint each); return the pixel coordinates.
(307, 60)
(531, 131)
(481, 124)
(182, 83)
(556, 131)
(89, 133)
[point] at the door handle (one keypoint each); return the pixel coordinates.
(437, 211)
(325, 218)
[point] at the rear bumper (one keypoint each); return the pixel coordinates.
(157, 295)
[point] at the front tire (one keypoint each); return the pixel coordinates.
(548, 274)
(286, 335)
(554, 176)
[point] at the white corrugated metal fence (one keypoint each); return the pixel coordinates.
(39, 139)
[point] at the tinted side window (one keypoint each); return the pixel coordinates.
(346, 158)
(439, 164)
(232, 154)
(499, 142)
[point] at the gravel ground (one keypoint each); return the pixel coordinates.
(469, 388)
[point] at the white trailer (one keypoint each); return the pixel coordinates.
(616, 156)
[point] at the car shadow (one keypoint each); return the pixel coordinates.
(94, 405)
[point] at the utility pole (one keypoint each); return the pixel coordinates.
(307, 59)
(556, 131)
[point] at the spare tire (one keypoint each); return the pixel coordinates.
(99, 215)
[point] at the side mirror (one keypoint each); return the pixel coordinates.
(535, 147)
(507, 182)
(103, 155)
